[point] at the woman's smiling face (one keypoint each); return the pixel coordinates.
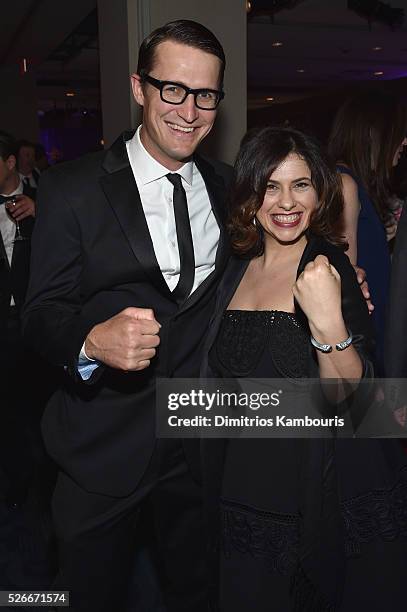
(289, 201)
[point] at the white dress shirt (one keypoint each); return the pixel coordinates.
(156, 194)
(8, 228)
(31, 180)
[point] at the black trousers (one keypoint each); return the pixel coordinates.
(16, 407)
(26, 383)
(98, 536)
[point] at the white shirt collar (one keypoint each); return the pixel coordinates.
(146, 169)
(17, 191)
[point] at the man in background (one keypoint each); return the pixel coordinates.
(17, 212)
(26, 164)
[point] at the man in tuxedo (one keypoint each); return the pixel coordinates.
(17, 206)
(128, 249)
(26, 163)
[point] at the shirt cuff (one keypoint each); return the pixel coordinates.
(83, 358)
(86, 371)
(86, 366)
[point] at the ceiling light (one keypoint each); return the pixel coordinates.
(377, 48)
(270, 99)
(379, 73)
(70, 94)
(277, 43)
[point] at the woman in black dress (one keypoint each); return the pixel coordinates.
(308, 525)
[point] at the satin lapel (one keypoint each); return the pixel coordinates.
(229, 283)
(310, 252)
(21, 250)
(216, 189)
(121, 191)
(3, 254)
(213, 451)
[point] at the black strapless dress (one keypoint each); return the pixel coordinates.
(262, 515)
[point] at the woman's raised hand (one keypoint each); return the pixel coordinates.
(318, 292)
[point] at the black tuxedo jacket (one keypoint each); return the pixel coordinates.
(14, 277)
(92, 257)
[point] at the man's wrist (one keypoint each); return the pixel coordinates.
(86, 352)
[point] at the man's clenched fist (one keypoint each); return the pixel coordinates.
(127, 341)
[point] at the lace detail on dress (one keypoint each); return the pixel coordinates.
(241, 340)
(270, 536)
(376, 514)
(305, 596)
(289, 347)
(274, 537)
(244, 334)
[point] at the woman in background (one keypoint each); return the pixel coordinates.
(367, 138)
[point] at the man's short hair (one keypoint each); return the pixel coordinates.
(8, 145)
(183, 31)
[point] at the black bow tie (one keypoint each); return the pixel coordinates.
(4, 199)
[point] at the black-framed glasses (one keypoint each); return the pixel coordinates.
(175, 93)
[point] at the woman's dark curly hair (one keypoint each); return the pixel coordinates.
(261, 152)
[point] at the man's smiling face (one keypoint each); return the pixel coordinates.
(171, 133)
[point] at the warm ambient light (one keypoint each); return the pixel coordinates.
(277, 43)
(378, 73)
(377, 48)
(69, 94)
(270, 99)
(248, 6)
(300, 70)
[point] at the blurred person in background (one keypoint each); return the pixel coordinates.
(396, 329)
(367, 139)
(26, 163)
(17, 212)
(41, 158)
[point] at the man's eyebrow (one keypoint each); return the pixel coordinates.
(187, 86)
